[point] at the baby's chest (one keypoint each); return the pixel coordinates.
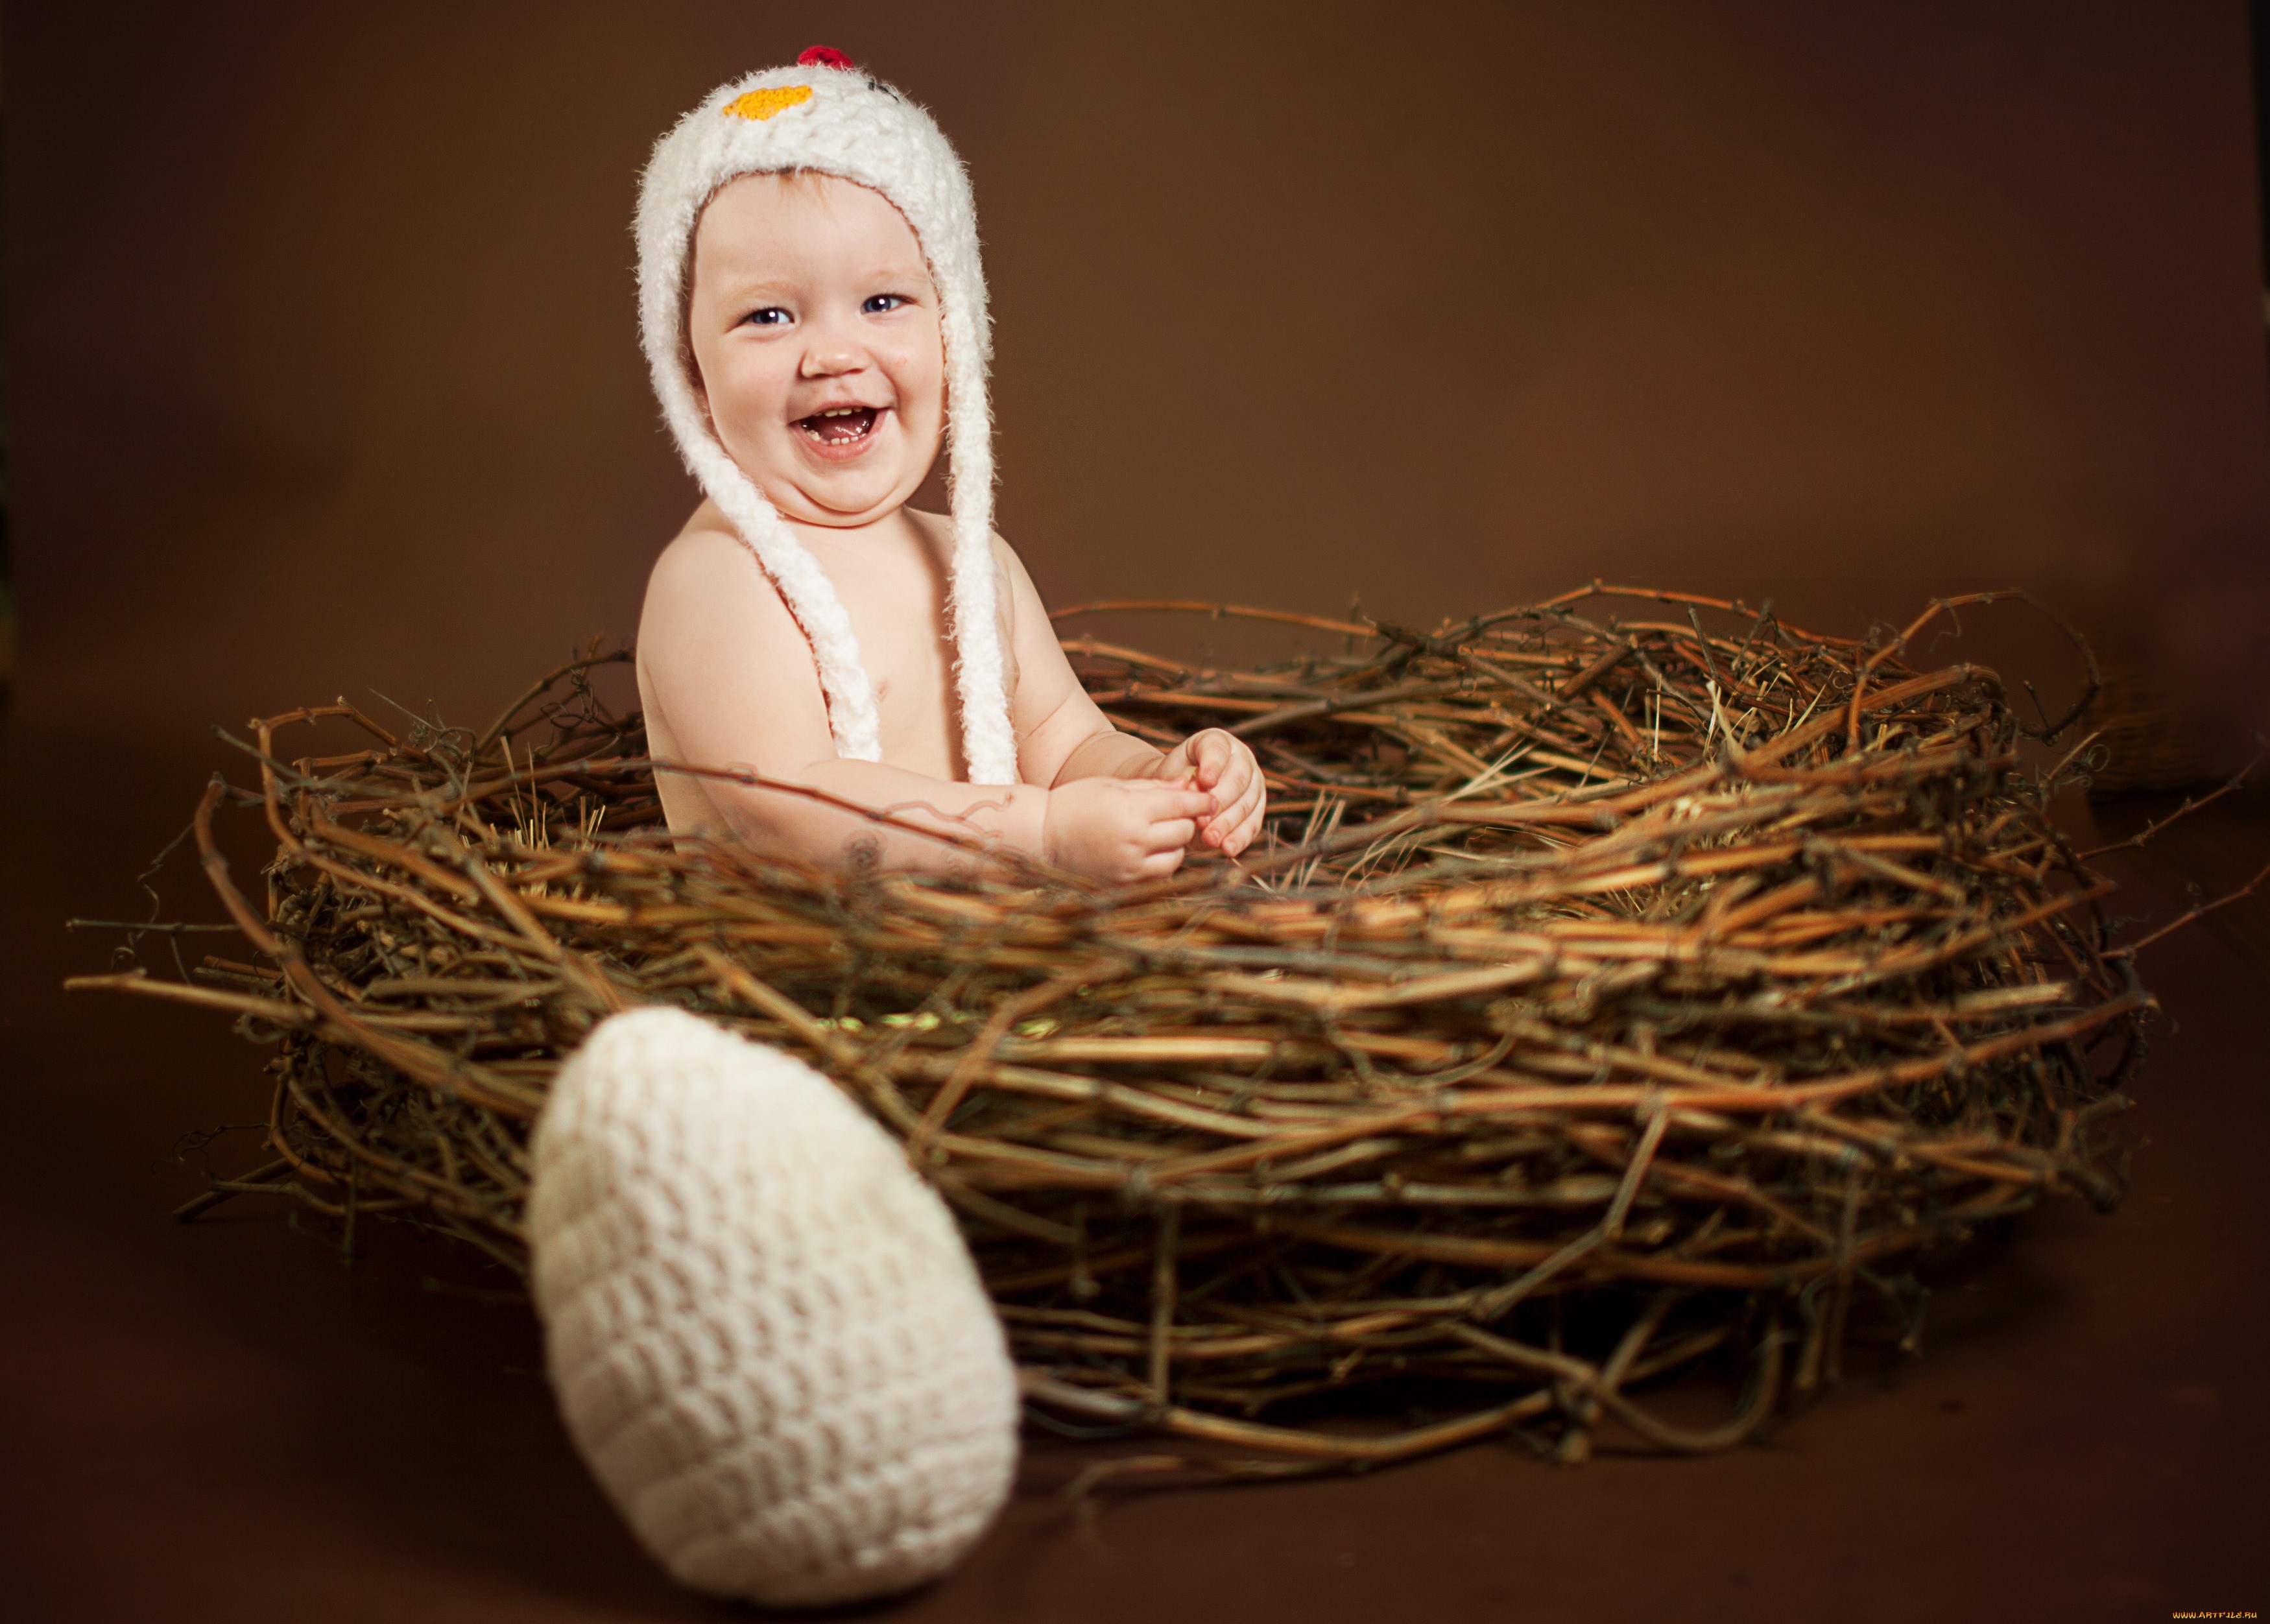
(902, 619)
(907, 646)
(911, 662)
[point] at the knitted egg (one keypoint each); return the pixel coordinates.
(765, 1333)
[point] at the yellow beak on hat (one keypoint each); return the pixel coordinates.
(762, 104)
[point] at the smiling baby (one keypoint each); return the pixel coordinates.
(765, 1334)
(815, 316)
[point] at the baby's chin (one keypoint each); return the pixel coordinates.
(843, 498)
(824, 486)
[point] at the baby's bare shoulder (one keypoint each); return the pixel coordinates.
(706, 571)
(703, 558)
(707, 600)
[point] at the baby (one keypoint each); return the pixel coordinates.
(765, 1331)
(815, 316)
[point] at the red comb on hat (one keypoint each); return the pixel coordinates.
(824, 56)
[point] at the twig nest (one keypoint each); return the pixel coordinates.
(1601, 1000)
(767, 1337)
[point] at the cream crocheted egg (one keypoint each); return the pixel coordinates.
(765, 1333)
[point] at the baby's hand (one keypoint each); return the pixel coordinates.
(1120, 830)
(1223, 763)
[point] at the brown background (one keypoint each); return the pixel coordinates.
(324, 378)
(324, 375)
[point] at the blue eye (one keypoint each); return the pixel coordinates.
(772, 315)
(882, 302)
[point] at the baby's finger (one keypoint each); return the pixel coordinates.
(1247, 802)
(1159, 864)
(1168, 834)
(1246, 827)
(1232, 828)
(1188, 806)
(1239, 775)
(1213, 751)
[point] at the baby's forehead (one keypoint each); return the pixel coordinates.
(800, 215)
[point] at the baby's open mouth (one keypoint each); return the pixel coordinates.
(841, 425)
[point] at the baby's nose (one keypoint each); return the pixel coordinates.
(828, 360)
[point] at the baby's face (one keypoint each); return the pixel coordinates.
(815, 334)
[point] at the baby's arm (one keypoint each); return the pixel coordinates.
(731, 675)
(1065, 739)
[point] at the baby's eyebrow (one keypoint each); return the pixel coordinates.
(733, 289)
(908, 273)
(752, 290)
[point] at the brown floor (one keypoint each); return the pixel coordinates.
(222, 1421)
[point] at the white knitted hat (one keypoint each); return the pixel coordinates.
(824, 114)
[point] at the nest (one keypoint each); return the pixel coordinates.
(1605, 997)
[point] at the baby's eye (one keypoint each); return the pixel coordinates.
(771, 316)
(880, 303)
